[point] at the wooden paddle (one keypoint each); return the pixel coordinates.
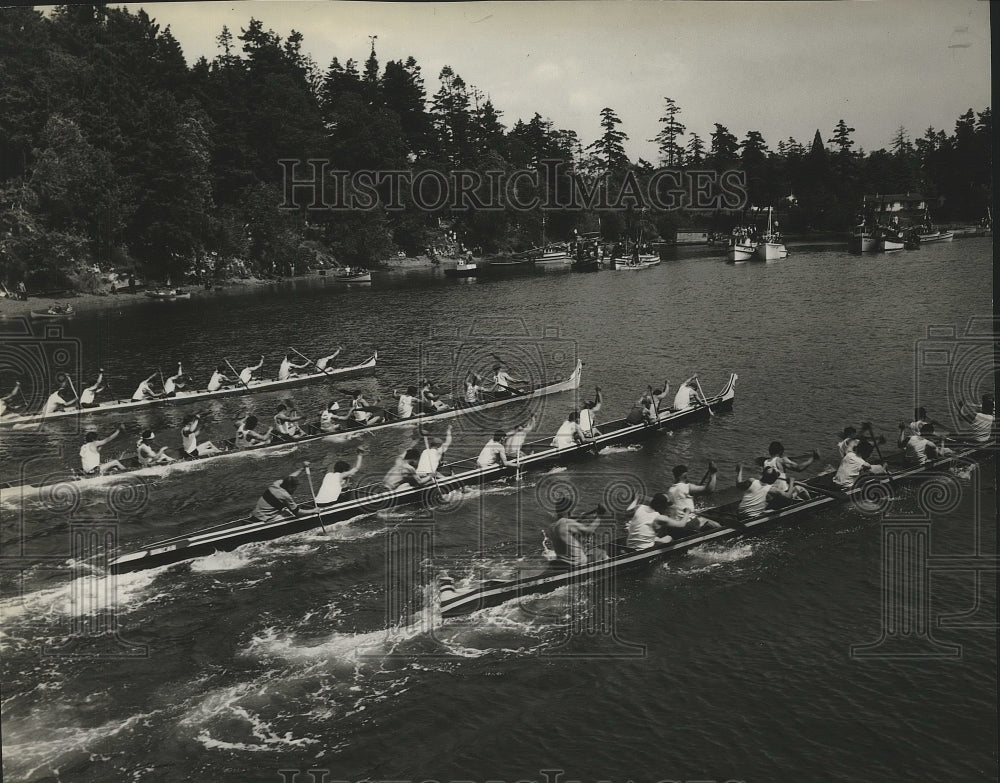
(866, 426)
(313, 493)
(236, 374)
(321, 369)
(72, 388)
(704, 399)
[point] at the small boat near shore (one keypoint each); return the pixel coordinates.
(862, 240)
(55, 312)
(770, 247)
(350, 274)
(181, 397)
(169, 294)
(463, 269)
(824, 494)
(374, 498)
(936, 236)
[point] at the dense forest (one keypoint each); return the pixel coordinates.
(114, 153)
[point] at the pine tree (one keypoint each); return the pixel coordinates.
(671, 153)
(695, 149)
(842, 138)
(609, 148)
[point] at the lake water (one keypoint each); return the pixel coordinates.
(733, 662)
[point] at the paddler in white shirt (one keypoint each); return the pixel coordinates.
(681, 510)
(493, 452)
(90, 455)
(246, 374)
(189, 439)
(982, 421)
(219, 379)
(145, 392)
(334, 482)
(56, 402)
(174, 382)
(88, 394)
(430, 457)
(504, 383)
(288, 369)
(687, 395)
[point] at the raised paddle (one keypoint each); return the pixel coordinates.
(72, 388)
(866, 426)
(313, 493)
(704, 399)
(238, 378)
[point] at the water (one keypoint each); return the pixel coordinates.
(276, 656)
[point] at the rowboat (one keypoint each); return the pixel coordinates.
(369, 499)
(169, 294)
(25, 486)
(351, 275)
(937, 236)
(253, 387)
(546, 578)
(54, 312)
(462, 270)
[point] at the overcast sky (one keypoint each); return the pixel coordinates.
(783, 68)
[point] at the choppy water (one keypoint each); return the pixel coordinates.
(733, 662)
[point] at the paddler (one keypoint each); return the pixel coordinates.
(430, 457)
(247, 435)
(407, 402)
(89, 393)
(982, 421)
(687, 395)
(504, 383)
(570, 433)
(647, 409)
(56, 402)
(473, 394)
(90, 455)
(324, 362)
(757, 493)
(149, 455)
(588, 420)
(189, 439)
(288, 368)
(174, 382)
(6, 399)
(335, 481)
(681, 510)
(494, 453)
(855, 463)
(286, 422)
(144, 391)
(404, 472)
(429, 401)
(516, 437)
(566, 532)
(647, 520)
(277, 501)
(920, 449)
(246, 374)
(777, 460)
(219, 379)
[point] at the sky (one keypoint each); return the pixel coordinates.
(783, 68)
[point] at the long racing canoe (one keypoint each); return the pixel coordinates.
(370, 499)
(545, 578)
(27, 485)
(114, 406)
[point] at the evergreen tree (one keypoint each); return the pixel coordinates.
(842, 138)
(695, 149)
(668, 139)
(609, 148)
